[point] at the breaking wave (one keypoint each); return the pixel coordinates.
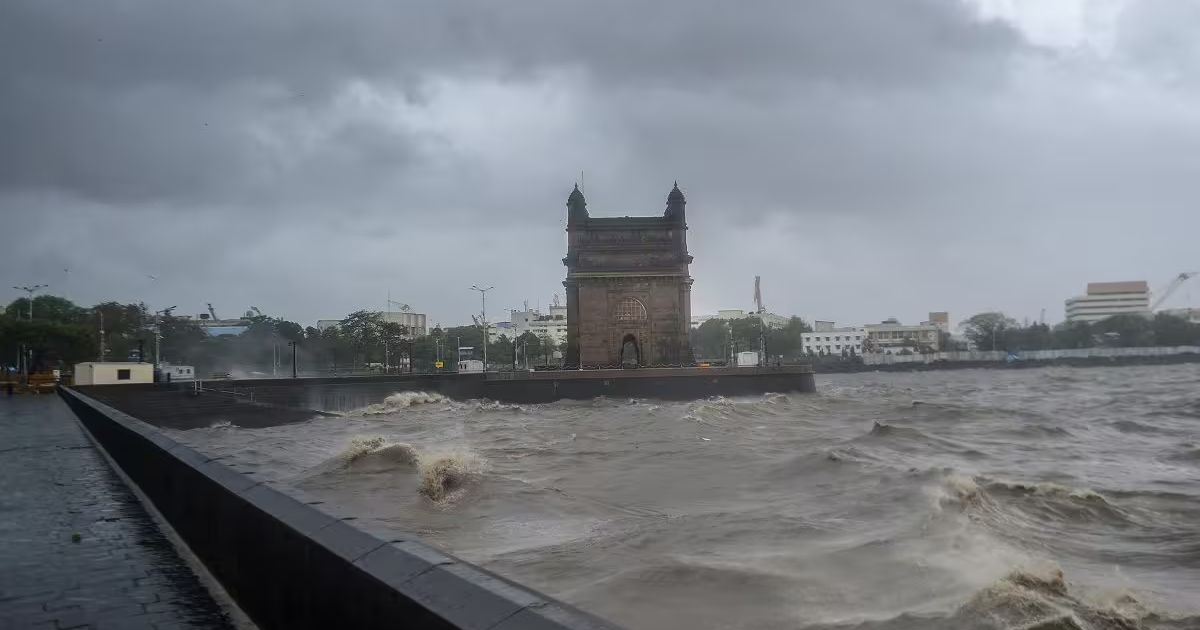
(1041, 599)
(445, 476)
(402, 400)
(377, 450)
(1016, 510)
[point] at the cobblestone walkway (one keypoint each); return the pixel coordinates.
(76, 548)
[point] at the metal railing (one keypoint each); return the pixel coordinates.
(199, 388)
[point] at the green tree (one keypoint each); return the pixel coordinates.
(1072, 335)
(1170, 330)
(362, 329)
(787, 341)
(500, 352)
(1033, 337)
(1127, 331)
(710, 340)
(987, 330)
(48, 308)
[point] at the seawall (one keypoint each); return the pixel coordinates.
(262, 402)
(287, 564)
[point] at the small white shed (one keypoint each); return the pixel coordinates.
(168, 373)
(112, 373)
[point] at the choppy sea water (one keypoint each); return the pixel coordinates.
(1050, 498)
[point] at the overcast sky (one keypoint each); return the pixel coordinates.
(867, 158)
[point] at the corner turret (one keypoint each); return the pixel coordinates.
(675, 204)
(576, 206)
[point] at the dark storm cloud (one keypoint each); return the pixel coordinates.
(151, 100)
(306, 157)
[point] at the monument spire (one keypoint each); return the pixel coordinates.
(576, 206)
(675, 204)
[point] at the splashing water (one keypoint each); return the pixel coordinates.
(445, 475)
(400, 401)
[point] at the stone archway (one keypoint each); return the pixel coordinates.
(630, 354)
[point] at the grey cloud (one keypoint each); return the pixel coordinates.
(308, 156)
(315, 44)
(138, 101)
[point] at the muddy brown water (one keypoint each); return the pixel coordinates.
(1040, 498)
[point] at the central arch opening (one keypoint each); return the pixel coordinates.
(631, 352)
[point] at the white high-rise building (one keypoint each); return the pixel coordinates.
(1105, 299)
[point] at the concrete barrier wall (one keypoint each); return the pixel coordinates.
(347, 394)
(289, 565)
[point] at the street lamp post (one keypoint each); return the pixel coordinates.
(483, 319)
(26, 352)
(158, 335)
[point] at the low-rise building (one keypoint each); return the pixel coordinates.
(173, 373)
(828, 339)
(553, 325)
(941, 319)
(414, 322)
(892, 337)
(771, 320)
(326, 324)
(1106, 299)
(113, 373)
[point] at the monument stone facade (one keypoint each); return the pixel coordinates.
(629, 290)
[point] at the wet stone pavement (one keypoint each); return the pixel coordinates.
(77, 550)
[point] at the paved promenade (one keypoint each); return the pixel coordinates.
(76, 548)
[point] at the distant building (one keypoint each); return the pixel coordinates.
(891, 337)
(414, 322)
(1106, 299)
(941, 319)
(828, 339)
(553, 324)
(770, 319)
(224, 331)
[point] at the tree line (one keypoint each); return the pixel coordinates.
(997, 331)
(62, 333)
(715, 339)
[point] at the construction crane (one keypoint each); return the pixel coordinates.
(760, 310)
(211, 312)
(1171, 287)
(256, 311)
(758, 295)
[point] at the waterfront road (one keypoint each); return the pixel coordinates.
(77, 550)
